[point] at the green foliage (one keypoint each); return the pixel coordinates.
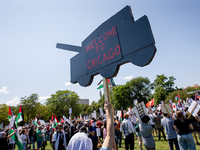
(30, 106)
(192, 89)
(166, 83)
(140, 89)
(183, 95)
(122, 97)
(60, 103)
(159, 95)
(4, 114)
(163, 86)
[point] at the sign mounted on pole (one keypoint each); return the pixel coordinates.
(115, 42)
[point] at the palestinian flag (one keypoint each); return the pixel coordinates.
(16, 137)
(20, 116)
(100, 84)
(121, 117)
(55, 122)
(110, 82)
(36, 121)
(177, 97)
(10, 113)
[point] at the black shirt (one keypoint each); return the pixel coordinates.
(61, 139)
(4, 143)
(182, 126)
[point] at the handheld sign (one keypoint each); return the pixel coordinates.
(194, 108)
(115, 42)
(140, 110)
(166, 108)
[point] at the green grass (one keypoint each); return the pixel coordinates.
(160, 145)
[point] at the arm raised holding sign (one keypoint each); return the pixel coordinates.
(108, 143)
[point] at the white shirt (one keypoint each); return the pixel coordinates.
(127, 127)
(151, 116)
(80, 141)
(11, 141)
(23, 137)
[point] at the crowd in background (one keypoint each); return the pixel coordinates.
(91, 133)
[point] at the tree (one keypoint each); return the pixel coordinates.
(60, 103)
(140, 89)
(166, 83)
(183, 95)
(4, 114)
(29, 105)
(159, 95)
(122, 97)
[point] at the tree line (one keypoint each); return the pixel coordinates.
(122, 96)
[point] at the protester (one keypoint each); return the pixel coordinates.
(24, 138)
(44, 140)
(157, 121)
(66, 130)
(92, 134)
(59, 140)
(151, 116)
(194, 123)
(32, 136)
(39, 137)
(198, 121)
(146, 132)
(128, 130)
(184, 136)
(73, 129)
(117, 132)
(11, 144)
(171, 135)
(4, 140)
(137, 129)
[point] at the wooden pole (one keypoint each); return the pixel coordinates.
(107, 97)
(193, 110)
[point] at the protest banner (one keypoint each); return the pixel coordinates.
(101, 111)
(115, 42)
(140, 110)
(194, 108)
(150, 110)
(166, 109)
(42, 122)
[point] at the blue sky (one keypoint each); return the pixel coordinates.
(31, 63)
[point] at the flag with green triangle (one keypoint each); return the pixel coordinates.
(20, 116)
(16, 137)
(36, 121)
(55, 122)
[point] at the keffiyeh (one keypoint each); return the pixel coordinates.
(80, 141)
(1, 134)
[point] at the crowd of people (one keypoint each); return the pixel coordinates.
(105, 133)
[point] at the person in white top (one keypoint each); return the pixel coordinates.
(11, 144)
(24, 138)
(128, 130)
(151, 116)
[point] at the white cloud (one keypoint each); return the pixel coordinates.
(14, 101)
(68, 83)
(4, 90)
(43, 97)
(126, 77)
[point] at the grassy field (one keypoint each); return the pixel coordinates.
(160, 145)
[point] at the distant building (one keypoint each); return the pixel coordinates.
(84, 101)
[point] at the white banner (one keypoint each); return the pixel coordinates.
(101, 111)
